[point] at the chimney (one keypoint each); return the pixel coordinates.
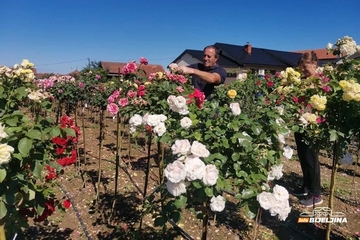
(247, 48)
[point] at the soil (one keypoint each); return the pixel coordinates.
(88, 219)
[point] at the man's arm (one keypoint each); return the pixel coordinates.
(208, 77)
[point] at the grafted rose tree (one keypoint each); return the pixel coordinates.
(26, 149)
(326, 106)
(235, 146)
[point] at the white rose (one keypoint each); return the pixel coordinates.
(35, 96)
(329, 46)
(281, 139)
(154, 120)
(160, 129)
(176, 189)
(284, 213)
(280, 109)
(276, 172)
(280, 193)
(175, 172)
(279, 121)
(266, 200)
(288, 152)
(145, 119)
(199, 149)
(181, 102)
(278, 207)
(195, 168)
(235, 108)
(181, 147)
(185, 122)
(217, 203)
(162, 117)
(5, 153)
(211, 175)
(132, 129)
(183, 111)
(3, 134)
(136, 120)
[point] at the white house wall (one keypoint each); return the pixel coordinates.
(187, 59)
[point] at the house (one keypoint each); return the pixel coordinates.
(323, 56)
(114, 68)
(238, 60)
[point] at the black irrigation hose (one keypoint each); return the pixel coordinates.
(76, 212)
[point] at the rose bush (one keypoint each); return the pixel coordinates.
(26, 149)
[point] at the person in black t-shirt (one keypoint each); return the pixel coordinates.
(206, 75)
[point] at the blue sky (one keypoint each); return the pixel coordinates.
(60, 36)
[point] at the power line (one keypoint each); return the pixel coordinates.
(45, 64)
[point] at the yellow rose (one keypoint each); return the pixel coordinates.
(318, 102)
(310, 117)
(343, 84)
(135, 85)
(231, 93)
(159, 75)
(279, 89)
(348, 96)
(147, 83)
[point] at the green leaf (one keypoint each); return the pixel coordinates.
(22, 92)
(209, 191)
(197, 136)
(196, 184)
(55, 131)
(180, 201)
(12, 122)
(256, 130)
(159, 221)
(34, 134)
(249, 213)
(3, 210)
(333, 135)
(247, 193)
(235, 156)
(25, 145)
(37, 170)
(70, 132)
(2, 175)
(31, 194)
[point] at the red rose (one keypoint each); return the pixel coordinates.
(67, 203)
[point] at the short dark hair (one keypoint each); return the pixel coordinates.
(216, 48)
(308, 57)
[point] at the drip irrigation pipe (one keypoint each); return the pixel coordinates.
(76, 212)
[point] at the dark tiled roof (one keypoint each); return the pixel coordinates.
(113, 67)
(260, 56)
(198, 54)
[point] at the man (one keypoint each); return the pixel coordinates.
(206, 75)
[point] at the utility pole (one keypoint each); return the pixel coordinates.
(89, 63)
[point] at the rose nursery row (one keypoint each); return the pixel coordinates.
(235, 142)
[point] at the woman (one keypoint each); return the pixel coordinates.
(309, 159)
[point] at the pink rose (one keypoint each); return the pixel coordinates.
(123, 102)
(180, 89)
(144, 61)
(112, 108)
